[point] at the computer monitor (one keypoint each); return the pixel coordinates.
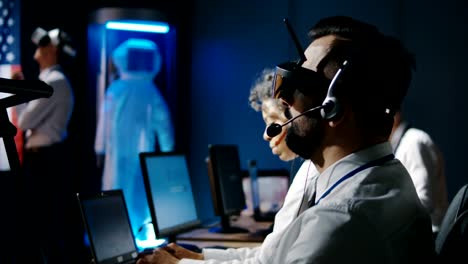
(169, 192)
(224, 171)
(265, 197)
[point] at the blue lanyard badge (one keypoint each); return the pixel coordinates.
(350, 174)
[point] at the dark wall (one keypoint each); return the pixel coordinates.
(232, 41)
(437, 35)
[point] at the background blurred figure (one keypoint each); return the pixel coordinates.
(273, 111)
(46, 156)
(134, 118)
(425, 164)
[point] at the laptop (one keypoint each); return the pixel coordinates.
(108, 227)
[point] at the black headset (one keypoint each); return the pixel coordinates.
(331, 106)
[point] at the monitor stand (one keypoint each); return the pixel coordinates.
(263, 217)
(226, 227)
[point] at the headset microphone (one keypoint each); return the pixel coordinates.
(275, 129)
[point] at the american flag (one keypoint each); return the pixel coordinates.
(9, 37)
(9, 58)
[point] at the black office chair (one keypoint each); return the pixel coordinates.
(452, 239)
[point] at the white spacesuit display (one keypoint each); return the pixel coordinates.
(134, 118)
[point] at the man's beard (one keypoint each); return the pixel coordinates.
(305, 136)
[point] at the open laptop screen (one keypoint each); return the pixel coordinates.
(108, 226)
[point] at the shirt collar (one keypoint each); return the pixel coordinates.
(345, 165)
(398, 134)
(47, 70)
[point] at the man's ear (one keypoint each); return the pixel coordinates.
(338, 119)
(336, 123)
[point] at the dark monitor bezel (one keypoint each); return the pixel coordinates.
(82, 198)
(170, 232)
(216, 186)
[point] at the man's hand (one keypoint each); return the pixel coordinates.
(181, 252)
(159, 256)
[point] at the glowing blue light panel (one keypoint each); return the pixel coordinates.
(141, 26)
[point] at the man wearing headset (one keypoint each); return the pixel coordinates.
(362, 207)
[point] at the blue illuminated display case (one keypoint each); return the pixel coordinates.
(108, 27)
(141, 32)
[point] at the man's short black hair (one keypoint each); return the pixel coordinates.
(380, 68)
(343, 26)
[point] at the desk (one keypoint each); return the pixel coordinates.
(202, 237)
(214, 244)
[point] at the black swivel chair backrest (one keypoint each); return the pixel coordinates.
(452, 239)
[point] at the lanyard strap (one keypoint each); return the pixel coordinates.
(350, 174)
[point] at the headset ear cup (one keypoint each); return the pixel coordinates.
(331, 108)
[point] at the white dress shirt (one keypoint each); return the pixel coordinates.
(265, 253)
(424, 162)
(374, 216)
(45, 120)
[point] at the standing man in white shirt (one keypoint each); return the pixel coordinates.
(424, 161)
(45, 161)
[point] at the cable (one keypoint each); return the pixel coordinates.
(143, 225)
(304, 191)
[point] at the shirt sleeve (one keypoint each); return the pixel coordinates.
(420, 159)
(34, 113)
(37, 110)
(226, 256)
(230, 253)
(328, 235)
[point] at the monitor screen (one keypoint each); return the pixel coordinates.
(169, 192)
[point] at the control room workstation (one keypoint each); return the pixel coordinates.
(246, 209)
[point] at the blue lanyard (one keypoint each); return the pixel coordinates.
(350, 174)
